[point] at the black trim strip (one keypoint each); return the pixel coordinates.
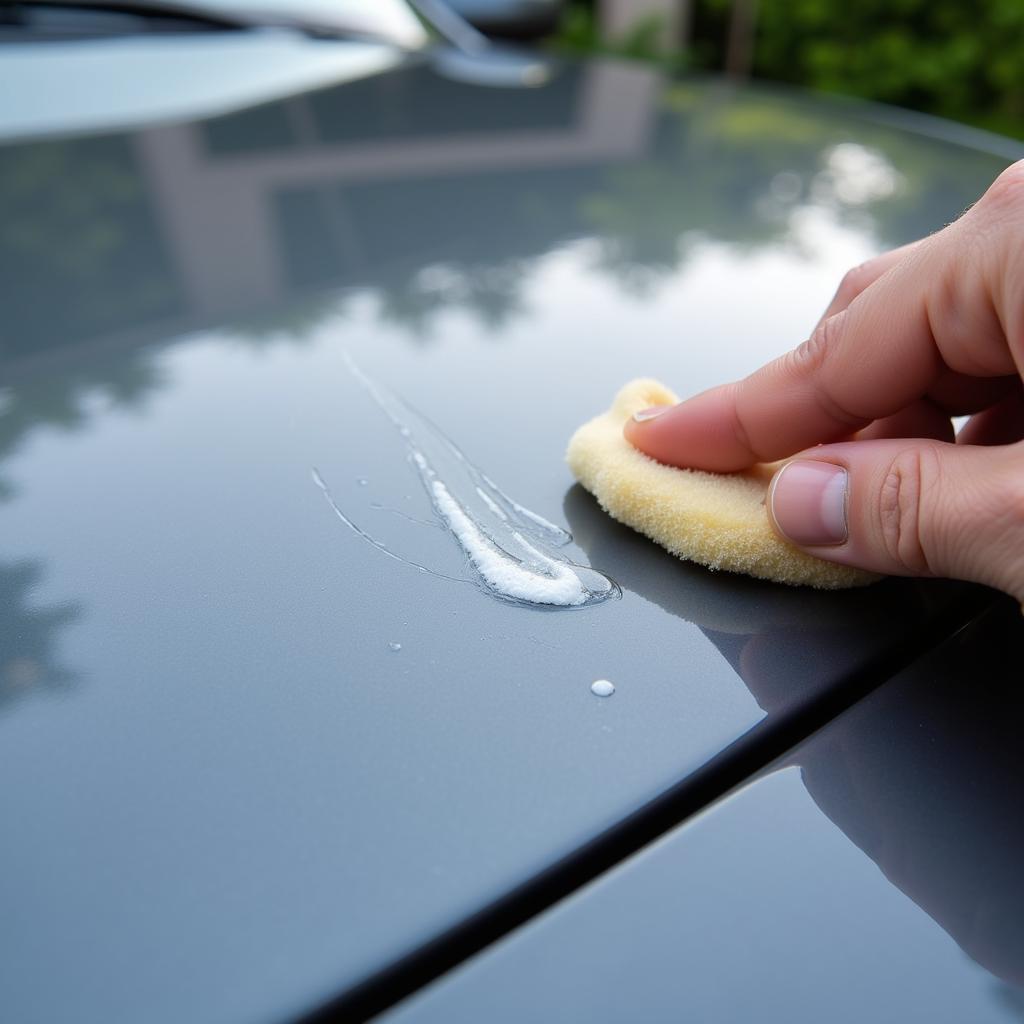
(727, 770)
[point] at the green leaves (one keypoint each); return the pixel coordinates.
(943, 56)
(959, 60)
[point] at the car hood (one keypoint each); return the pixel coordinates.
(250, 759)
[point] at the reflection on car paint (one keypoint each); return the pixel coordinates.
(510, 549)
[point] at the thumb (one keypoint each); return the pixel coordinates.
(908, 508)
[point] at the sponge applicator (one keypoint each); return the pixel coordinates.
(718, 520)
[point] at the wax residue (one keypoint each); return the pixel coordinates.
(535, 577)
(602, 687)
(509, 549)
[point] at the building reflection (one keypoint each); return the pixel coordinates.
(336, 187)
(366, 184)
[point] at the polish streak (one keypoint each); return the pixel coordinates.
(541, 580)
(369, 538)
(509, 548)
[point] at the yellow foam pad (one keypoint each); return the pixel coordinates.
(716, 519)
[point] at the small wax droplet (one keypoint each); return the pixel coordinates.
(602, 688)
(392, 646)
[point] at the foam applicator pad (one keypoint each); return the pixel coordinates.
(716, 519)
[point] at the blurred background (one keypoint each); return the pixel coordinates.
(946, 57)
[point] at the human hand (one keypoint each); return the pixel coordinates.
(913, 337)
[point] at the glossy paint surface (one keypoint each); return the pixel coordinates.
(872, 875)
(247, 760)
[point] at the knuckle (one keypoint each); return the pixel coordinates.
(901, 500)
(856, 280)
(739, 427)
(809, 357)
(810, 361)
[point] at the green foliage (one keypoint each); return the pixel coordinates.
(579, 33)
(958, 60)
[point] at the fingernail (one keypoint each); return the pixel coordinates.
(808, 503)
(650, 413)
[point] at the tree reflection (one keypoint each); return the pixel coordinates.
(737, 167)
(491, 295)
(81, 253)
(99, 247)
(86, 250)
(97, 264)
(28, 635)
(62, 401)
(81, 257)
(294, 321)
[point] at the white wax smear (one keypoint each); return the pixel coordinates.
(551, 582)
(555, 534)
(491, 504)
(602, 687)
(510, 550)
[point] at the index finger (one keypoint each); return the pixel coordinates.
(863, 276)
(931, 310)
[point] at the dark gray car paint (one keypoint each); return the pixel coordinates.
(763, 909)
(225, 795)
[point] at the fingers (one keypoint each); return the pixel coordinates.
(1002, 423)
(997, 401)
(958, 394)
(918, 508)
(860, 277)
(922, 418)
(941, 312)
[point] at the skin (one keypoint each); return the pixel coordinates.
(931, 330)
